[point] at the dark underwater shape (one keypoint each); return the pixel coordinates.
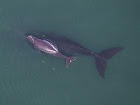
(70, 48)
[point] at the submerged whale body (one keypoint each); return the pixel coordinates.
(67, 49)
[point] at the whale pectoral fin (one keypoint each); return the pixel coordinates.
(69, 61)
(36, 48)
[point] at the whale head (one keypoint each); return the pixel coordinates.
(31, 38)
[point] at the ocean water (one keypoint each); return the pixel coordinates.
(28, 77)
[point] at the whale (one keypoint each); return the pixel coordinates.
(49, 48)
(68, 49)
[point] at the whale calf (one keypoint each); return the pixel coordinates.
(67, 49)
(49, 48)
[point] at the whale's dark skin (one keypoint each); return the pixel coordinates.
(71, 48)
(68, 47)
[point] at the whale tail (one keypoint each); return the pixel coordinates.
(102, 57)
(69, 61)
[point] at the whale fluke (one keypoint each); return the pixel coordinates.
(69, 61)
(102, 57)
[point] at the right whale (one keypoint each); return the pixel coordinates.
(71, 48)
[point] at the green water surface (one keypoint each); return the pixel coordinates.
(28, 77)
